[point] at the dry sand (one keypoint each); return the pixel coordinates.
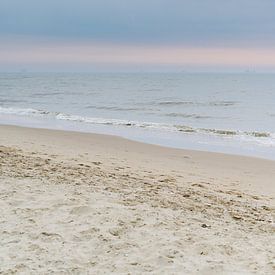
(75, 203)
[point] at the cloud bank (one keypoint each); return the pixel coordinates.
(235, 33)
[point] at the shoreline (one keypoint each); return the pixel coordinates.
(98, 134)
(80, 202)
(214, 143)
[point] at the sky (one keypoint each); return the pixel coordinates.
(137, 35)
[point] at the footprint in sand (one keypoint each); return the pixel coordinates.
(96, 162)
(49, 237)
(87, 235)
(80, 210)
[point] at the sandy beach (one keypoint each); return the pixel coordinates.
(77, 203)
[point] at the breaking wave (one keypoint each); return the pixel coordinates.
(264, 138)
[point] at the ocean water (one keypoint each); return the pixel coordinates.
(230, 113)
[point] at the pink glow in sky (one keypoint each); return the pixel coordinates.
(94, 53)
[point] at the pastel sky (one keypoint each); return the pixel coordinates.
(137, 35)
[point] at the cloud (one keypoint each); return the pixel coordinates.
(197, 23)
(113, 33)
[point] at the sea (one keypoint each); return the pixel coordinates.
(217, 112)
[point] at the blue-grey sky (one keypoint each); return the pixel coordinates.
(181, 23)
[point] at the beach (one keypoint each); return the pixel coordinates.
(137, 137)
(82, 203)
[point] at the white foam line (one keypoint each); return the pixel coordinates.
(265, 139)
